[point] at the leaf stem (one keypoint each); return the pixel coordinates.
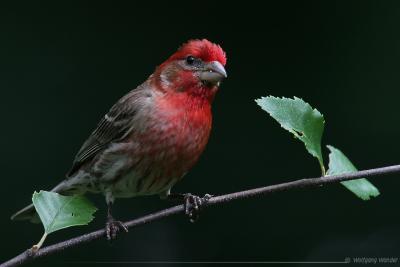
(323, 171)
(39, 245)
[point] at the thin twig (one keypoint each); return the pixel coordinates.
(26, 256)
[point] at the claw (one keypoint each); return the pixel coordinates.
(113, 227)
(193, 205)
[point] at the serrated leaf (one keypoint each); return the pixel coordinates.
(299, 118)
(339, 164)
(57, 212)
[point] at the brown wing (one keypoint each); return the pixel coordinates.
(112, 127)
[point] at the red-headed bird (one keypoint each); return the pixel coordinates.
(152, 136)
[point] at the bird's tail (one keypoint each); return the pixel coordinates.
(29, 212)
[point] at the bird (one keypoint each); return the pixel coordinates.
(152, 136)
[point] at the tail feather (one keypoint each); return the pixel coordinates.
(29, 212)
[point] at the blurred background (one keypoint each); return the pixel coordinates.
(63, 65)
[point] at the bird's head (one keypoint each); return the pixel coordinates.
(196, 68)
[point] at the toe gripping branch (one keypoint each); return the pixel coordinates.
(192, 203)
(113, 226)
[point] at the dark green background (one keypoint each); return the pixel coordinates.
(62, 66)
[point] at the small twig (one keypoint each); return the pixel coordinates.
(28, 255)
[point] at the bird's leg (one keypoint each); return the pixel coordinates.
(192, 203)
(113, 226)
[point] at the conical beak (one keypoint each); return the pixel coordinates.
(213, 73)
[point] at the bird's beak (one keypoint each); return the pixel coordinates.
(213, 73)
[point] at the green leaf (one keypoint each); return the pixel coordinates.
(339, 164)
(299, 118)
(57, 212)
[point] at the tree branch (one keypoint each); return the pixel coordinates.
(27, 255)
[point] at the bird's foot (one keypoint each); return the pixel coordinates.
(113, 227)
(193, 205)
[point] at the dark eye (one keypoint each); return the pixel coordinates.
(190, 60)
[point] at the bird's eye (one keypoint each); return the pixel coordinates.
(190, 60)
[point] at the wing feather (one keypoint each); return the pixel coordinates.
(111, 128)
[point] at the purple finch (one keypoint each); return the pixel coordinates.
(153, 135)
